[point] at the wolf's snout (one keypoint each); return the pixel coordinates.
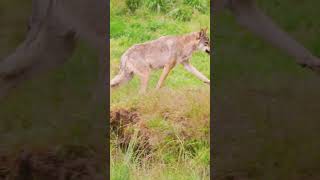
(208, 51)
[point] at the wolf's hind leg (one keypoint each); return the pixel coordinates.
(140, 68)
(144, 80)
(165, 72)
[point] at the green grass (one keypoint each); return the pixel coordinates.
(179, 147)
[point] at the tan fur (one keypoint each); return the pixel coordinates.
(163, 53)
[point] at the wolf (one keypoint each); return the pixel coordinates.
(163, 53)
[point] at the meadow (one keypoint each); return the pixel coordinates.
(165, 132)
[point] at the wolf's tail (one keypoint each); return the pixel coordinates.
(121, 78)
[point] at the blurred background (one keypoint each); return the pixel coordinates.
(266, 106)
(48, 114)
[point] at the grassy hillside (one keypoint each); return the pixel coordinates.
(165, 132)
(267, 124)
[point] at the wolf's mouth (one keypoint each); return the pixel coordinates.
(207, 51)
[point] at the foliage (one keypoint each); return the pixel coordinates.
(133, 5)
(182, 10)
(183, 13)
(159, 5)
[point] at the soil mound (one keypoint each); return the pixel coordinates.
(124, 123)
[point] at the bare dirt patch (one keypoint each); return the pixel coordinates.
(123, 123)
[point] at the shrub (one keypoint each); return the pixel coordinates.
(159, 5)
(182, 13)
(199, 5)
(133, 5)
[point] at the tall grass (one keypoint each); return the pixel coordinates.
(174, 154)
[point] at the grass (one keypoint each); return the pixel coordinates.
(128, 166)
(180, 148)
(177, 116)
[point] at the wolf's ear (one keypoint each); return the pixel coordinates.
(205, 30)
(201, 33)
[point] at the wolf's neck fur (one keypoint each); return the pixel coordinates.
(189, 43)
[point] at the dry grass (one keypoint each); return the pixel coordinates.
(167, 131)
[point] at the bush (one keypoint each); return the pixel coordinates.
(199, 5)
(159, 5)
(182, 13)
(133, 5)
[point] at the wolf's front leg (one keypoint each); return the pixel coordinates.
(195, 72)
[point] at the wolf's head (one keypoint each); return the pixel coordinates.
(204, 42)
